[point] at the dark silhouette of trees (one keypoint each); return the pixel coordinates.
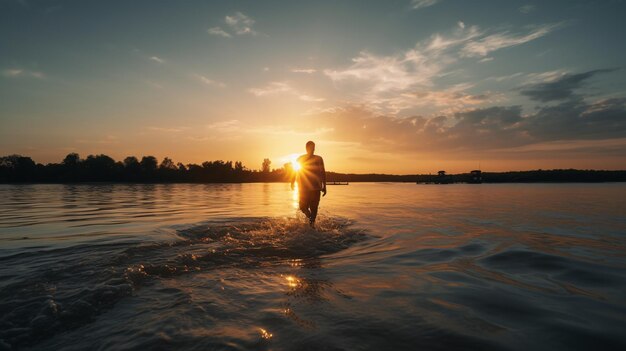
(18, 168)
(71, 160)
(132, 169)
(149, 165)
(102, 168)
(265, 167)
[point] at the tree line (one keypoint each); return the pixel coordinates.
(102, 168)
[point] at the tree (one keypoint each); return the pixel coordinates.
(149, 164)
(71, 160)
(167, 163)
(265, 167)
(131, 162)
(18, 168)
(238, 166)
(99, 167)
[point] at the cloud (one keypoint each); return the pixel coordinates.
(486, 59)
(276, 88)
(304, 70)
(560, 87)
(18, 72)
(482, 129)
(389, 73)
(219, 32)
(544, 77)
(420, 4)
(449, 100)
(157, 59)
(507, 77)
(575, 119)
(498, 41)
(227, 126)
(236, 24)
(240, 23)
(209, 82)
(271, 89)
(387, 83)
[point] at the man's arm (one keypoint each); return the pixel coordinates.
(323, 175)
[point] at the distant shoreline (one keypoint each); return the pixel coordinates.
(16, 169)
(356, 182)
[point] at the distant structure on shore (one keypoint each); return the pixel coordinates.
(442, 178)
(476, 177)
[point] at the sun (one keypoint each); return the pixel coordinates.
(295, 164)
(292, 160)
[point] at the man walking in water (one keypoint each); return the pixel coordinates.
(311, 180)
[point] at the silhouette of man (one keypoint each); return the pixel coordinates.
(311, 181)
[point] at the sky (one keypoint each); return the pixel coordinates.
(395, 86)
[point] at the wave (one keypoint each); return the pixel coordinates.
(47, 292)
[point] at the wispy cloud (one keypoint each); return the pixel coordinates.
(236, 24)
(388, 83)
(493, 42)
(157, 59)
(209, 82)
(167, 129)
(304, 70)
(219, 32)
(507, 77)
(225, 126)
(240, 23)
(276, 88)
(388, 73)
(18, 72)
(420, 4)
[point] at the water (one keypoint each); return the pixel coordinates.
(390, 266)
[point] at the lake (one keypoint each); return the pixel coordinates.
(389, 266)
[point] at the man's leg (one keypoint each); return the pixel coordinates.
(314, 202)
(304, 203)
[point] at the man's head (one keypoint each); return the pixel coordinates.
(310, 147)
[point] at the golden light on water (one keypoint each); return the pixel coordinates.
(295, 196)
(292, 281)
(297, 262)
(265, 334)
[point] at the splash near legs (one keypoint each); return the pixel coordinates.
(309, 202)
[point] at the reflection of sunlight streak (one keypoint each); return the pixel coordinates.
(295, 196)
(297, 262)
(265, 334)
(292, 281)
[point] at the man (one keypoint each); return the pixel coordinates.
(311, 180)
